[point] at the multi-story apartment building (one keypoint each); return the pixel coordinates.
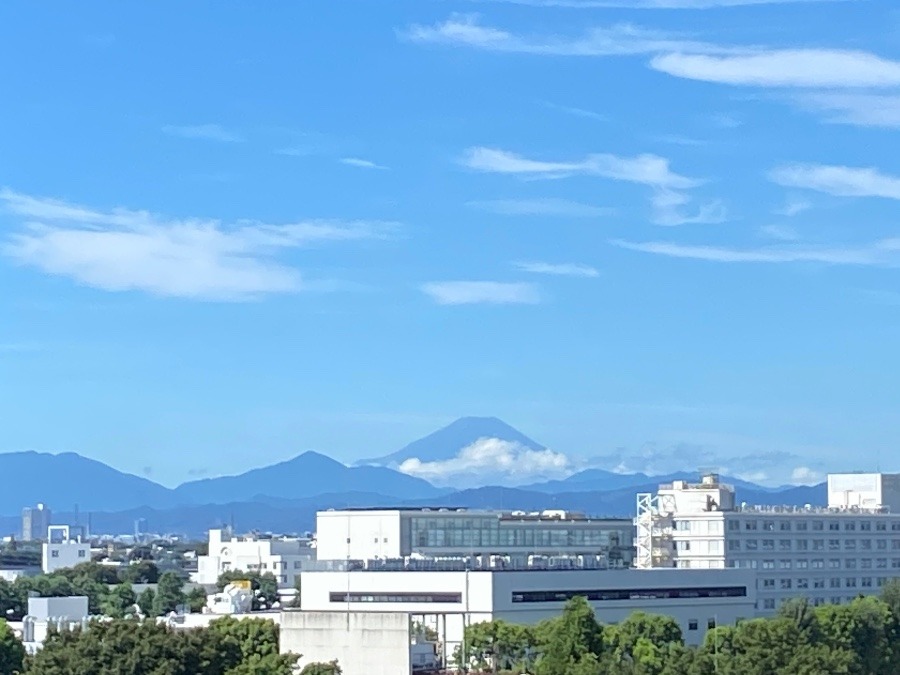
(282, 558)
(829, 555)
(474, 537)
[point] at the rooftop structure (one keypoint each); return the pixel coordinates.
(63, 548)
(829, 554)
(485, 538)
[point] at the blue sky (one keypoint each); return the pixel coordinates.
(650, 234)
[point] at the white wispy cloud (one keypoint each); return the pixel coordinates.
(793, 207)
(884, 252)
(542, 207)
(669, 209)
(206, 132)
(577, 112)
(809, 68)
(779, 233)
(482, 292)
(122, 249)
(505, 460)
(645, 169)
(669, 201)
(850, 107)
(558, 269)
(840, 181)
(803, 475)
(616, 40)
(361, 163)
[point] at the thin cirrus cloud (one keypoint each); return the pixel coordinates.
(884, 252)
(557, 269)
(205, 132)
(616, 40)
(806, 68)
(840, 181)
(546, 206)
(361, 163)
(856, 108)
(205, 259)
(668, 201)
(482, 292)
(834, 83)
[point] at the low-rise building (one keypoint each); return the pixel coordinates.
(281, 557)
(696, 599)
(63, 549)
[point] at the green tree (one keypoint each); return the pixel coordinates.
(571, 642)
(146, 600)
(865, 628)
(656, 631)
(250, 647)
(511, 644)
(169, 594)
(140, 572)
(196, 599)
(132, 647)
(12, 652)
(119, 601)
(102, 574)
(330, 668)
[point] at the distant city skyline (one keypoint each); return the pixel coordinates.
(649, 235)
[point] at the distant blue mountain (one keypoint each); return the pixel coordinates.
(604, 481)
(446, 443)
(306, 475)
(67, 480)
(270, 514)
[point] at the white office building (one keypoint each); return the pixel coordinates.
(281, 557)
(63, 549)
(696, 599)
(483, 538)
(829, 555)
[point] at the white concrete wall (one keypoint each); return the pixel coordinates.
(364, 643)
(73, 608)
(67, 554)
(372, 534)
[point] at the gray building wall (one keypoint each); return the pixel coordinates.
(364, 643)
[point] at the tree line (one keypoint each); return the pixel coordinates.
(861, 637)
(109, 591)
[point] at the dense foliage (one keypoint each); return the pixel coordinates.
(858, 638)
(108, 590)
(228, 647)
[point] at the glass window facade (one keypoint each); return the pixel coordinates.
(485, 535)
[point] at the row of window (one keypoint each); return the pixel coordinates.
(786, 525)
(818, 601)
(605, 595)
(786, 583)
(820, 564)
(397, 597)
(810, 544)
